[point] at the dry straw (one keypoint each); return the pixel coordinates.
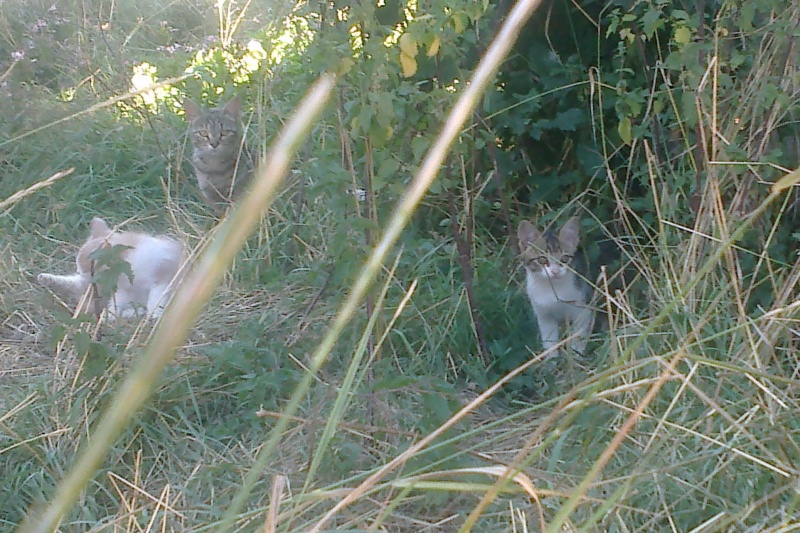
(184, 309)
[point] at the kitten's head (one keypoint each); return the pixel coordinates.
(74, 286)
(214, 130)
(99, 232)
(548, 254)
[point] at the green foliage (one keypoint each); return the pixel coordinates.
(109, 267)
(611, 110)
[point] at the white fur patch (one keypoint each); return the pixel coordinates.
(156, 263)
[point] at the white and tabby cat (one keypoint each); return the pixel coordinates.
(221, 164)
(558, 296)
(154, 262)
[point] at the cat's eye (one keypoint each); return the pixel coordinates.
(566, 258)
(542, 260)
(203, 134)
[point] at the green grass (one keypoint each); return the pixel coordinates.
(683, 418)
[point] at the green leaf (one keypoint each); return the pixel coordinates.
(386, 173)
(680, 14)
(569, 120)
(652, 21)
(625, 130)
(418, 146)
(683, 35)
(109, 267)
(392, 383)
(747, 13)
(383, 103)
(364, 121)
(408, 45)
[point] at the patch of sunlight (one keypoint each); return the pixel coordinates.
(409, 11)
(296, 36)
(394, 36)
(216, 67)
(68, 94)
(241, 61)
(144, 76)
(412, 6)
(356, 38)
(252, 58)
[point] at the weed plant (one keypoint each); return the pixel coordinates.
(302, 398)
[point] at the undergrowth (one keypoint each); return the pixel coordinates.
(681, 417)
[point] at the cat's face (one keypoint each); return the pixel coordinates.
(214, 130)
(547, 254)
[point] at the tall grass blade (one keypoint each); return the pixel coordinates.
(189, 300)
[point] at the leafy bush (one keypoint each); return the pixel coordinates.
(663, 127)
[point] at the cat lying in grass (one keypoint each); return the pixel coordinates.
(141, 274)
(558, 296)
(219, 158)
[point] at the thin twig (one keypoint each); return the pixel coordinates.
(465, 261)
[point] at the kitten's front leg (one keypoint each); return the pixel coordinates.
(582, 323)
(157, 300)
(548, 330)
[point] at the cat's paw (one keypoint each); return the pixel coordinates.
(45, 280)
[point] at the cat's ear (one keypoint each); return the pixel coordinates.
(191, 109)
(234, 107)
(98, 228)
(527, 234)
(569, 236)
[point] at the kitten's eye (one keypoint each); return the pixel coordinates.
(203, 134)
(542, 260)
(566, 258)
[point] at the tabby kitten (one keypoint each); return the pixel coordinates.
(219, 158)
(155, 261)
(558, 296)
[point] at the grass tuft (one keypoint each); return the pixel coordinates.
(322, 369)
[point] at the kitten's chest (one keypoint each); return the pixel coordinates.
(554, 295)
(221, 159)
(216, 170)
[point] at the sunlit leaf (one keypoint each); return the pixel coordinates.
(625, 130)
(458, 22)
(683, 35)
(408, 45)
(409, 65)
(433, 48)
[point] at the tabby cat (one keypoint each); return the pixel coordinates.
(557, 294)
(155, 261)
(221, 164)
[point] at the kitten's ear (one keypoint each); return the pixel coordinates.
(191, 109)
(569, 236)
(527, 234)
(234, 107)
(99, 228)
